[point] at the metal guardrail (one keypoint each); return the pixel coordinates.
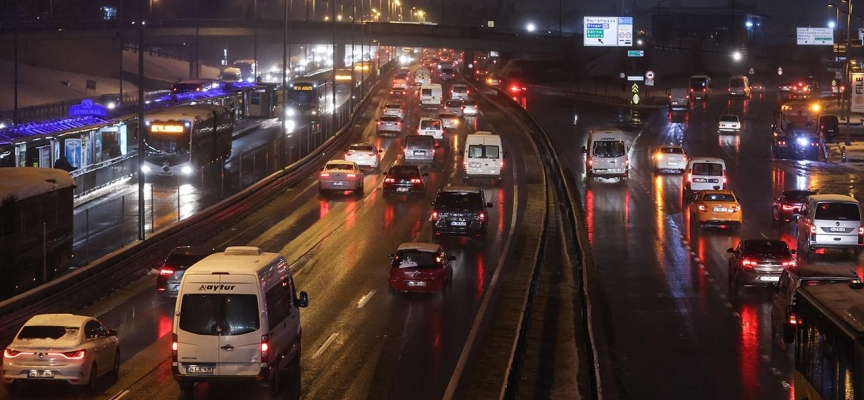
(75, 290)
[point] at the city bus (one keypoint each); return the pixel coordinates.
(36, 214)
(308, 97)
(179, 141)
(829, 342)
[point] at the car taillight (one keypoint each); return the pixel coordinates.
(501, 164)
(434, 215)
(788, 208)
(415, 180)
(724, 178)
(792, 319)
(701, 207)
(689, 178)
(324, 175)
(812, 229)
(736, 208)
(166, 271)
(482, 216)
(789, 263)
(265, 349)
(352, 175)
(747, 262)
(70, 355)
(389, 180)
(174, 347)
(379, 122)
(9, 353)
(590, 162)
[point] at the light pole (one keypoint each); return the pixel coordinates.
(848, 69)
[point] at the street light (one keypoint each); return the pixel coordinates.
(530, 27)
(736, 56)
(831, 24)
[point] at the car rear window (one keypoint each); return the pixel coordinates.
(362, 147)
(394, 106)
(767, 247)
(447, 116)
(404, 171)
(672, 150)
(339, 166)
(838, 211)
(609, 149)
(219, 314)
(183, 260)
(389, 118)
(483, 151)
(718, 197)
(414, 259)
(34, 332)
(797, 196)
(728, 118)
(828, 120)
(430, 124)
(709, 169)
(447, 71)
(419, 141)
(469, 103)
(460, 89)
(453, 103)
(458, 202)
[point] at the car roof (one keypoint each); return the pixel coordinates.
(391, 105)
(424, 247)
(192, 250)
(460, 189)
(670, 146)
(340, 162)
(707, 160)
(832, 197)
(824, 271)
(429, 118)
(718, 191)
(447, 115)
(797, 191)
(57, 320)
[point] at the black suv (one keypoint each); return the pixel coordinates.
(460, 210)
(829, 126)
(404, 179)
(172, 269)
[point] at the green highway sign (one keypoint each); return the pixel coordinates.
(595, 33)
(635, 53)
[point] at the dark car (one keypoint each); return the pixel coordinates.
(829, 126)
(460, 210)
(758, 262)
(404, 179)
(420, 267)
(788, 204)
(172, 269)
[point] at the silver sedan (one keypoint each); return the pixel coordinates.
(341, 175)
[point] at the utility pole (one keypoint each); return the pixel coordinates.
(141, 128)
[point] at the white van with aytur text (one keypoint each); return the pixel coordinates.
(237, 316)
(430, 95)
(484, 156)
(606, 154)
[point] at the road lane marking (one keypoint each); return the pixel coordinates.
(710, 279)
(775, 371)
(325, 345)
(786, 385)
(763, 235)
(736, 315)
(706, 272)
(365, 299)
(728, 304)
(120, 395)
(693, 254)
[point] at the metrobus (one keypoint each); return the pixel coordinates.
(309, 97)
(179, 141)
(829, 342)
(36, 220)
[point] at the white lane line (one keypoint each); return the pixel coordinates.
(766, 358)
(693, 254)
(365, 299)
(786, 385)
(697, 260)
(775, 371)
(686, 243)
(707, 273)
(120, 395)
(710, 279)
(763, 235)
(325, 345)
(728, 304)
(736, 315)
(723, 296)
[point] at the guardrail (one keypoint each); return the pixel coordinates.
(76, 290)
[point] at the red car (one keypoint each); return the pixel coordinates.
(420, 267)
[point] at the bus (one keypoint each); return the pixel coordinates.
(309, 96)
(36, 214)
(700, 87)
(829, 342)
(179, 141)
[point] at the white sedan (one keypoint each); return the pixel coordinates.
(364, 154)
(76, 349)
(729, 123)
(341, 175)
(669, 157)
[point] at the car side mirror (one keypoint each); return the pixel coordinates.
(489, 205)
(730, 250)
(584, 149)
(304, 299)
(112, 332)
(505, 155)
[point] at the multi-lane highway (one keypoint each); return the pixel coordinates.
(359, 341)
(676, 330)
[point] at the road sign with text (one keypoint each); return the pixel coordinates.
(816, 36)
(608, 31)
(635, 53)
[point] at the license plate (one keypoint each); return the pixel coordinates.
(403, 189)
(433, 133)
(672, 163)
(769, 278)
(338, 183)
(416, 283)
(837, 229)
(721, 209)
(419, 153)
(458, 223)
(200, 369)
(40, 374)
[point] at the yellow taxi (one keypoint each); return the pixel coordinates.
(716, 207)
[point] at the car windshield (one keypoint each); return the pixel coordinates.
(43, 332)
(414, 259)
(710, 169)
(340, 166)
(389, 118)
(448, 71)
(362, 147)
(608, 148)
(766, 247)
(729, 118)
(672, 150)
(219, 314)
(483, 151)
(405, 171)
(430, 124)
(719, 197)
(797, 196)
(837, 211)
(460, 89)
(458, 202)
(183, 260)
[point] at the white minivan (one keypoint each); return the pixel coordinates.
(483, 155)
(704, 173)
(830, 221)
(237, 316)
(430, 95)
(606, 154)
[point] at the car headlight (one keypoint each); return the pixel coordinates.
(802, 141)
(111, 105)
(290, 112)
(145, 169)
(187, 170)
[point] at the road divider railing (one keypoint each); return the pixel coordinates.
(129, 264)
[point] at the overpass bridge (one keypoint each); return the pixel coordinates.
(168, 32)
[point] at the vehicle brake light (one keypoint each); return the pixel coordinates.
(166, 271)
(482, 216)
(389, 180)
(689, 178)
(701, 207)
(415, 180)
(792, 319)
(348, 154)
(352, 175)
(736, 208)
(379, 122)
(788, 208)
(325, 174)
(174, 347)
(9, 353)
(434, 215)
(747, 262)
(590, 162)
(265, 349)
(812, 229)
(70, 355)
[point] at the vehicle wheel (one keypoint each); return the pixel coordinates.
(359, 190)
(115, 372)
(92, 381)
